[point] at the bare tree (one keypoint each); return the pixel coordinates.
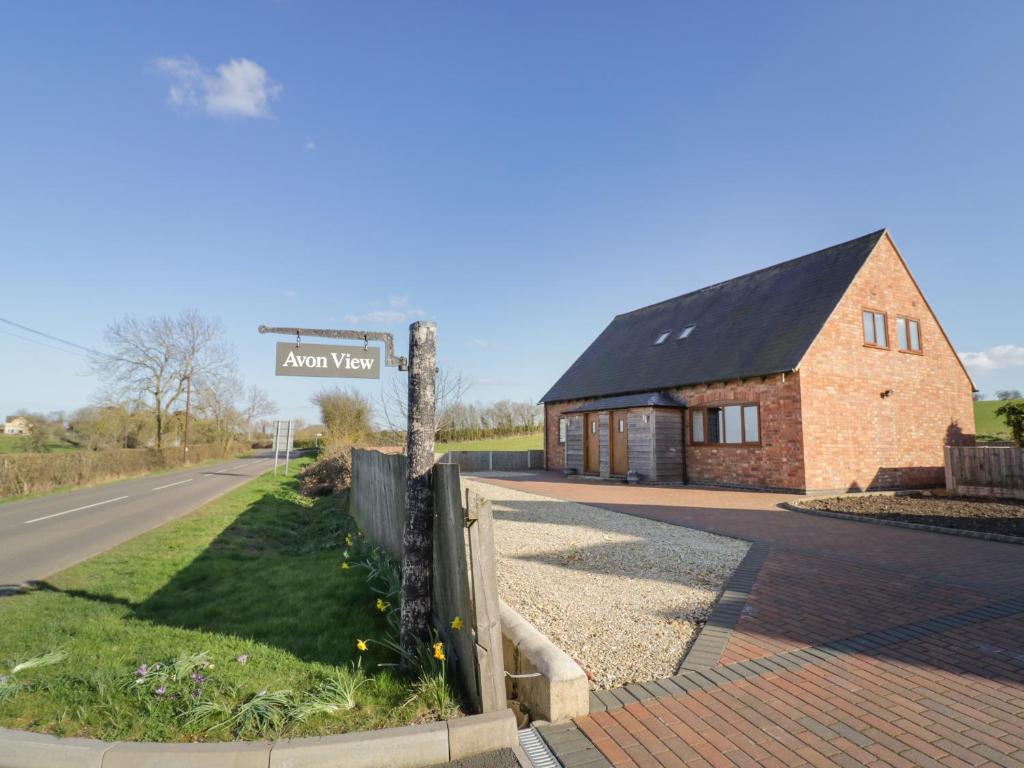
(149, 360)
(257, 406)
(1008, 394)
(451, 387)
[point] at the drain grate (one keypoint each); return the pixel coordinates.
(536, 750)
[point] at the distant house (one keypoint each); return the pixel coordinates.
(17, 426)
(828, 372)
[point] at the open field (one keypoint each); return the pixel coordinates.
(21, 444)
(987, 424)
(233, 622)
(515, 443)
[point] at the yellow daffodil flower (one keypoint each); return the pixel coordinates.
(381, 605)
(457, 623)
(439, 651)
(361, 645)
(344, 566)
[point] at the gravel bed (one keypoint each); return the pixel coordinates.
(963, 513)
(622, 595)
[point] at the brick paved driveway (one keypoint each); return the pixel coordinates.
(836, 643)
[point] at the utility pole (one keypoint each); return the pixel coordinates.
(418, 536)
(188, 403)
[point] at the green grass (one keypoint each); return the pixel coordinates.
(22, 444)
(254, 574)
(987, 425)
(517, 443)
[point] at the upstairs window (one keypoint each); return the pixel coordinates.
(908, 334)
(661, 337)
(686, 331)
(874, 329)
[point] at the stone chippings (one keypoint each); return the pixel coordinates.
(621, 595)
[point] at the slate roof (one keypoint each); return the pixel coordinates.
(754, 325)
(642, 400)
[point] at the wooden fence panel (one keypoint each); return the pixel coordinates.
(985, 471)
(487, 618)
(451, 589)
(464, 581)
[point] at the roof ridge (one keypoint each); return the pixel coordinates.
(876, 234)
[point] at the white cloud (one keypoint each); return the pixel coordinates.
(310, 145)
(291, 294)
(398, 301)
(1001, 356)
(239, 88)
(480, 343)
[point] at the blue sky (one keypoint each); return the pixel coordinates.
(518, 172)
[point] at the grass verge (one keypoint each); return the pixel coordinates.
(233, 622)
(516, 443)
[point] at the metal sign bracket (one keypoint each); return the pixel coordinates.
(390, 359)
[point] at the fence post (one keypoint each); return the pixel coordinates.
(486, 611)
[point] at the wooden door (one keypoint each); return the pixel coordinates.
(620, 442)
(592, 440)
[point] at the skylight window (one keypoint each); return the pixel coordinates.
(661, 337)
(686, 331)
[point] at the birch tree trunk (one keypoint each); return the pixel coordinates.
(418, 536)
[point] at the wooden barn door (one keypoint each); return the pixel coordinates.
(620, 442)
(592, 441)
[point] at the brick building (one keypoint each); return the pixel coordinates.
(828, 372)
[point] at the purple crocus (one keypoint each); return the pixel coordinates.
(161, 690)
(142, 671)
(243, 659)
(197, 677)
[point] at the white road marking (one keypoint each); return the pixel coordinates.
(171, 485)
(76, 509)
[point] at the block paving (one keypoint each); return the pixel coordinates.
(836, 643)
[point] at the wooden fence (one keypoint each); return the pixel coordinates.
(464, 580)
(985, 471)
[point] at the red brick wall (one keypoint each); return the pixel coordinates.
(857, 440)
(777, 462)
(554, 451)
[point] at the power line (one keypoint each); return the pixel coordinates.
(41, 343)
(90, 350)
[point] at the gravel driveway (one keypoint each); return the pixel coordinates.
(620, 594)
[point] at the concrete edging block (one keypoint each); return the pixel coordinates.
(410, 746)
(560, 690)
(20, 749)
(470, 736)
(227, 754)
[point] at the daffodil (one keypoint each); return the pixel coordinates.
(344, 566)
(439, 651)
(457, 623)
(382, 605)
(361, 645)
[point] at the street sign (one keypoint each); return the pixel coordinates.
(284, 439)
(327, 360)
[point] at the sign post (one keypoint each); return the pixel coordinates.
(336, 361)
(284, 440)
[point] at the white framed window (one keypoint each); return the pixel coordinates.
(661, 337)
(738, 424)
(686, 331)
(563, 428)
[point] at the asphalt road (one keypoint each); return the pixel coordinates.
(39, 537)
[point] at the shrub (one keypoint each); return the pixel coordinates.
(30, 472)
(331, 473)
(1013, 414)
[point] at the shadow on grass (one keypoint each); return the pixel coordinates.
(272, 576)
